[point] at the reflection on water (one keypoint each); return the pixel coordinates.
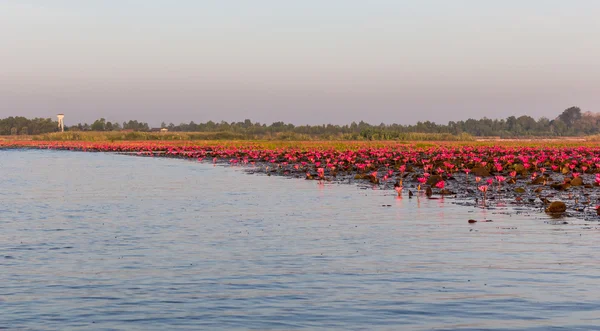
(101, 241)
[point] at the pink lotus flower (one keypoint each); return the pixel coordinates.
(441, 184)
(422, 180)
(477, 179)
(483, 188)
(398, 189)
(513, 174)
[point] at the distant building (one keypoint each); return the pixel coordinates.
(61, 123)
(159, 130)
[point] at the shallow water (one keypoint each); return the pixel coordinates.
(113, 242)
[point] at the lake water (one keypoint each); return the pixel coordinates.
(112, 242)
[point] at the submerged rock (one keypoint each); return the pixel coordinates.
(556, 207)
(519, 190)
(480, 172)
(446, 192)
(578, 181)
(428, 192)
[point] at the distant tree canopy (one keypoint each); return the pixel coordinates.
(571, 122)
(25, 126)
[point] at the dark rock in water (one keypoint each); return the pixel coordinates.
(538, 180)
(519, 168)
(588, 186)
(446, 192)
(410, 194)
(598, 211)
(472, 221)
(480, 172)
(428, 192)
(432, 180)
(577, 181)
(557, 207)
(561, 187)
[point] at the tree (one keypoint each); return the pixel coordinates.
(570, 116)
(99, 125)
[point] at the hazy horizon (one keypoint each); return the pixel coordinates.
(308, 62)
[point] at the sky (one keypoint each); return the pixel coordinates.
(304, 62)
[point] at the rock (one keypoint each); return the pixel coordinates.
(560, 187)
(519, 168)
(577, 181)
(472, 221)
(410, 194)
(556, 207)
(538, 180)
(432, 180)
(480, 172)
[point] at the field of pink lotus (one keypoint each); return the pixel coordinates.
(556, 179)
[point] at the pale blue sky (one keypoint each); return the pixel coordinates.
(309, 61)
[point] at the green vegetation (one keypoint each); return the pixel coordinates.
(190, 136)
(22, 126)
(571, 122)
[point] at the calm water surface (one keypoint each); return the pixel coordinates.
(113, 242)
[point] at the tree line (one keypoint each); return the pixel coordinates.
(571, 122)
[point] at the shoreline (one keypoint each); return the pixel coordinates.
(518, 191)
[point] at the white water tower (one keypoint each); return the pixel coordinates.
(61, 123)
